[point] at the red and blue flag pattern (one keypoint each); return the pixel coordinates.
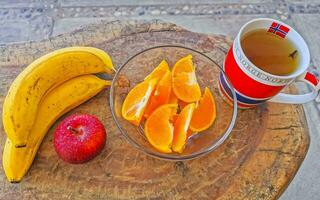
(278, 29)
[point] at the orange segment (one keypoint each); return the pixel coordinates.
(182, 104)
(159, 71)
(161, 95)
(174, 118)
(159, 129)
(173, 99)
(205, 112)
(181, 127)
(135, 103)
(184, 81)
(189, 133)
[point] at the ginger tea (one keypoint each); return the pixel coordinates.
(272, 54)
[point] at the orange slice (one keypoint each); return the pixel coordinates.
(184, 81)
(182, 104)
(181, 127)
(161, 95)
(173, 99)
(159, 71)
(174, 118)
(205, 112)
(136, 101)
(159, 129)
(189, 133)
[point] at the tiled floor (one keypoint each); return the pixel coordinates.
(23, 20)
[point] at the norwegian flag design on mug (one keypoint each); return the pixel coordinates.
(254, 86)
(278, 29)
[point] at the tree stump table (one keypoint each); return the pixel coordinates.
(258, 160)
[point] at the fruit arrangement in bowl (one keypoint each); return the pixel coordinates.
(171, 104)
(166, 102)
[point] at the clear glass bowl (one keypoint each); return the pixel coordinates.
(207, 72)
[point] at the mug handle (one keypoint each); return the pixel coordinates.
(308, 78)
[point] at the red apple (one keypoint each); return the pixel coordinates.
(79, 138)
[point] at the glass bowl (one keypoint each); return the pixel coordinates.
(207, 72)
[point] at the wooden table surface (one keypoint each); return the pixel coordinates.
(258, 160)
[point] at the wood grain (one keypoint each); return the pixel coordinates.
(258, 161)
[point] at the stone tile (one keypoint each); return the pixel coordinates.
(302, 1)
(41, 27)
(21, 13)
(72, 3)
(172, 10)
(25, 3)
(305, 7)
(308, 25)
(13, 31)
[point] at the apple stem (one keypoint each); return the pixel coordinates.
(73, 130)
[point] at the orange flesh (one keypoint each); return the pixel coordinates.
(181, 127)
(157, 98)
(189, 133)
(182, 104)
(159, 71)
(184, 81)
(161, 95)
(205, 112)
(136, 101)
(173, 98)
(159, 128)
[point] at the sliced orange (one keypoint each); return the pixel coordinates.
(173, 99)
(205, 112)
(182, 104)
(136, 101)
(174, 118)
(184, 81)
(181, 127)
(159, 129)
(189, 133)
(159, 71)
(161, 95)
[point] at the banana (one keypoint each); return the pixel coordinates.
(63, 98)
(21, 103)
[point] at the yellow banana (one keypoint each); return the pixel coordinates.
(63, 98)
(21, 104)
